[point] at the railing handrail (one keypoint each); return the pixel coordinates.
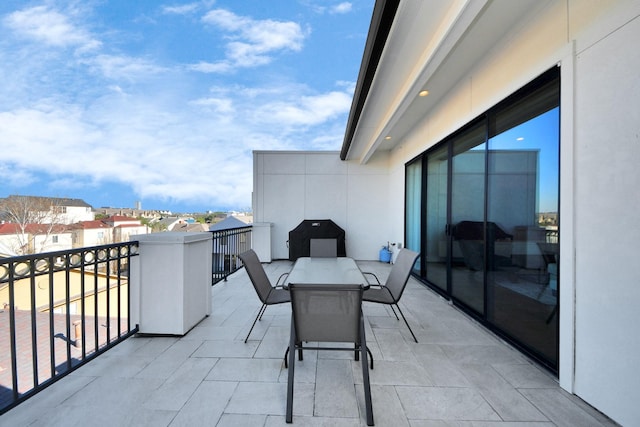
(21, 259)
(227, 246)
(103, 276)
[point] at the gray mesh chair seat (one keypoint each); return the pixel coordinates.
(323, 248)
(380, 295)
(268, 294)
(391, 292)
(326, 313)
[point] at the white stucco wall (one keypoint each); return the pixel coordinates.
(293, 186)
(607, 117)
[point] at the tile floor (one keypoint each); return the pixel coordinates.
(458, 375)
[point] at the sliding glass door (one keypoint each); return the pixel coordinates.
(467, 215)
(488, 228)
(436, 236)
(523, 193)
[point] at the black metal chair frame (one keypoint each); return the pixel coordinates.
(274, 295)
(407, 261)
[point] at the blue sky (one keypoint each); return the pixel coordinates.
(118, 101)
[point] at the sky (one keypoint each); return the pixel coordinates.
(123, 101)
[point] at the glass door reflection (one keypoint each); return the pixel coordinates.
(467, 216)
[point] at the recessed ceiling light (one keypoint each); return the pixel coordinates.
(423, 93)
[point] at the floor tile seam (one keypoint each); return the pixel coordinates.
(540, 409)
(79, 390)
(150, 396)
(456, 388)
(485, 393)
(172, 377)
(226, 405)
(575, 400)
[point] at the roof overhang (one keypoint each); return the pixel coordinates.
(383, 13)
(416, 45)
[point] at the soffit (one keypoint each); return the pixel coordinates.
(431, 45)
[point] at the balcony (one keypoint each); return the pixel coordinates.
(458, 374)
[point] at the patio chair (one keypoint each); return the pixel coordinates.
(392, 290)
(268, 294)
(324, 248)
(328, 314)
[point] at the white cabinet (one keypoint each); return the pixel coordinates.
(174, 280)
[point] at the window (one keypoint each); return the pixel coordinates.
(487, 222)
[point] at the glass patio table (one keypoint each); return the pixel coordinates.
(339, 271)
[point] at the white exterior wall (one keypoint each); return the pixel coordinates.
(123, 234)
(290, 187)
(44, 243)
(606, 158)
(77, 213)
(71, 215)
(93, 237)
(10, 243)
(600, 151)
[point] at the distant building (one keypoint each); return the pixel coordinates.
(35, 238)
(114, 229)
(190, 227)
(56, 210)
(169, 222)
(229, 223)
(129, 212)
(227, 243)
(91, 233)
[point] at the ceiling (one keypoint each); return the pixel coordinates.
(431, 45)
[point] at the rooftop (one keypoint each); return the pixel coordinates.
(459, 374)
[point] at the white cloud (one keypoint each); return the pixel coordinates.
(197, 150)
(184, 9)
(341, 8)
(50, 28)
(252, 42)
(211, 67)
(306, 110)
(13, 176)
(120, 67)
(218, 105)
(344, 7)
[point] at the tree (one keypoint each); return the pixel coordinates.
(155, 226)
(31, 217)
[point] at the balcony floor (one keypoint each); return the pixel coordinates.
(458, 375)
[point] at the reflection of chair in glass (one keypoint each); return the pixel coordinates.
(549, 252)
(331, 314)
(326, 248)
(470, 235)
(269, 295)
(392, 290)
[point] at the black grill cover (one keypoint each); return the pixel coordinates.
(300, 237)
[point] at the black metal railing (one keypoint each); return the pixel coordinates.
(58, 310)
(227, 245)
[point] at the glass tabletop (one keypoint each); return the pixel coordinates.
(340, 270)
